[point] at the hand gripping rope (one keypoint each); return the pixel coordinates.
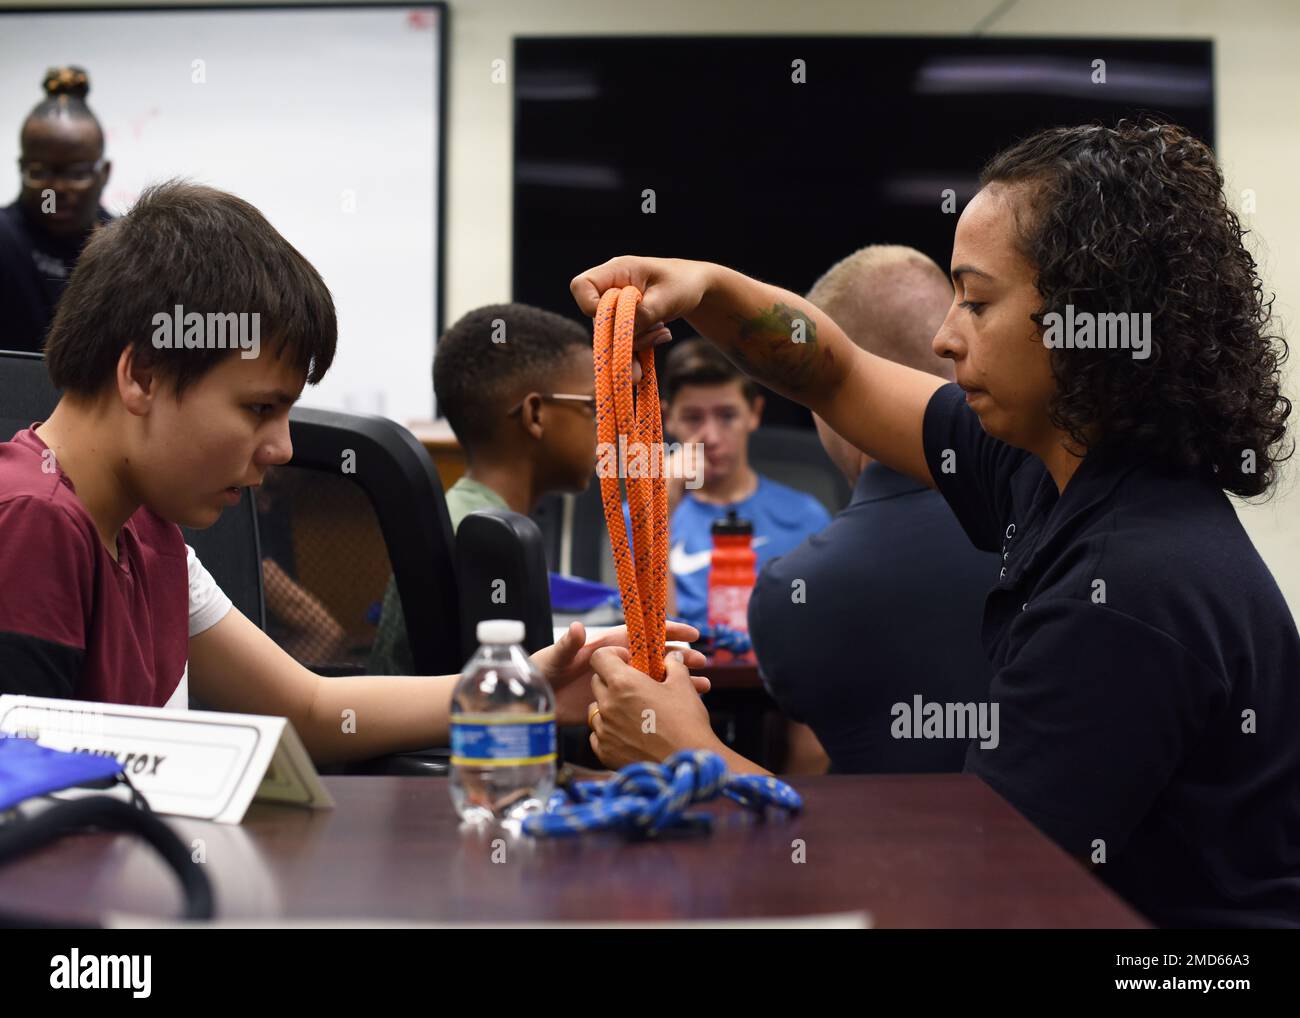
(643, 799)
(635, 435)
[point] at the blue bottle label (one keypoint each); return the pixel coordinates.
(510, 740)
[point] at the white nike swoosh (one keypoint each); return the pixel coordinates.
(682, 562)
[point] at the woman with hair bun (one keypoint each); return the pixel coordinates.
(63, 172)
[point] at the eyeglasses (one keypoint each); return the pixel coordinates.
(559, 397)
(75, 175)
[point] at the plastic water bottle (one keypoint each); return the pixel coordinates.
(502, 729)
(731, 574)
(731, 579)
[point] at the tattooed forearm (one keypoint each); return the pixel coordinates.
(779, 348)
(779, 321)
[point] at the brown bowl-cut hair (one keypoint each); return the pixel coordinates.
(183, 244)
(697, 362)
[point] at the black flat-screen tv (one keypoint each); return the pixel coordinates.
(780, 177)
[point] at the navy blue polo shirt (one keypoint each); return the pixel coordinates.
(844, 625)
(1147, 671)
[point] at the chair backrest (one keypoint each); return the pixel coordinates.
(26, 393)
(502, 567)
(573, 532)
(795, 457)
(361, 498)
(230, 550)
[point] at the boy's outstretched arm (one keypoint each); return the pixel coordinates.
(234, 666)
(779, 339)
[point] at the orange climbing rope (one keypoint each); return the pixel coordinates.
(642, 563)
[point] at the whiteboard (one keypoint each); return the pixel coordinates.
(326, 119)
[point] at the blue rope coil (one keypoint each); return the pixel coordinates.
(722, 637)
(644, 799)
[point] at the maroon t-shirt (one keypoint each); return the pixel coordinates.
(74, 622)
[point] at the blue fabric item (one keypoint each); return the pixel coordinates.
(29, 769)
(644, 799)
(722, 637)
(782, 518)
(574, 594)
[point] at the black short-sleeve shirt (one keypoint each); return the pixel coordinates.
(1147, 674)
(34, 271)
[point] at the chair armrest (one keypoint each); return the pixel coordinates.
(425, 763)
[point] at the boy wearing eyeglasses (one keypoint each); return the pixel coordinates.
(517, 387)
(63, 173)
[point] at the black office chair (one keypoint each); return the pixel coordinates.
(26, 393)
(371, 466)
(501, 566)
(363, 486)
(573, 533)
(795, 458)
(230, 550)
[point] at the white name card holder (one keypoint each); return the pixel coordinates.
(203, 764)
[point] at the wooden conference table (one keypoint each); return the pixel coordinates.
(899, 850)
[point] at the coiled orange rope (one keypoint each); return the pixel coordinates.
(642, 564)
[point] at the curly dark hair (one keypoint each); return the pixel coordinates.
(1133, 219)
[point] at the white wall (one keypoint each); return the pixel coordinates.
(349, 208)
(1257, 84)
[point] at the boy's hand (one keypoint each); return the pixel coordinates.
(568, 668)
(640, 719)
(670, 288)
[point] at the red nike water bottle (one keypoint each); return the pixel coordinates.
(731, 575)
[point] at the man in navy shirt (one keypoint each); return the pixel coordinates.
(893, 561)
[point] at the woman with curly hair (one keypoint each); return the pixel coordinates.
(1146, 666)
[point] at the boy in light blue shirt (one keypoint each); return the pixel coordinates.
(707, 401)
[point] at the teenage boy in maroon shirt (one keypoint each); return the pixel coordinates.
(100, 599)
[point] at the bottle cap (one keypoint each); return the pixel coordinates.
(731, 525)
(500, 631)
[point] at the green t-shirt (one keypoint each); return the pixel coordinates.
(391, 653)
(467, 496)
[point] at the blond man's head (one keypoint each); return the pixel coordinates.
(890, 300)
